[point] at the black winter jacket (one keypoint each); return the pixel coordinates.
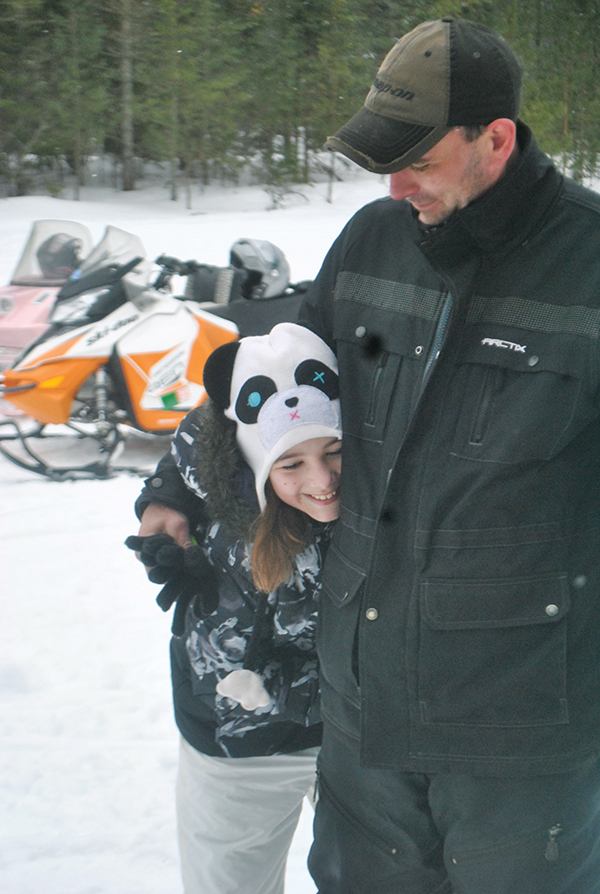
(222, 507)
(460, 618)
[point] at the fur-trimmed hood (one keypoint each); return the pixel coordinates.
(208, 457)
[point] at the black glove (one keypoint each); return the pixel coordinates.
(186, 573)
(148, 547)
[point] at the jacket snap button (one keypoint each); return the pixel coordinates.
(157, 482)
(551, 610)
(372, 614)
(533, 361)
(360, 332)
(580, 581)
(419, 350)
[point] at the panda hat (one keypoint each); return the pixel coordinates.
(280, 389)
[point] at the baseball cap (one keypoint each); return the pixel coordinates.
(443, 74)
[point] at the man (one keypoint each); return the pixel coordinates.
(460, 618)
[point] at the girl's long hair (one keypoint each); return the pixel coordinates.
(280, 535)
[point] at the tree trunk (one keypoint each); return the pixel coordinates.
(127, 96)
(174, 147)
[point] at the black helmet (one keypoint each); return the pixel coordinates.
(58, 256)
(268, 269)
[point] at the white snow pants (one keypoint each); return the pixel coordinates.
(236, 819)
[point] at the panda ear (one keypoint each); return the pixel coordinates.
(218, 370)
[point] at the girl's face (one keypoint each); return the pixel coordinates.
(307, 477)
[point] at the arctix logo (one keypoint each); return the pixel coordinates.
(507, 345)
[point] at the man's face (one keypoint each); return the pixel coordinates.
(446, 178)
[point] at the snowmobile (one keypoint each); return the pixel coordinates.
(56, 252)
(124, 353)
(52, 252)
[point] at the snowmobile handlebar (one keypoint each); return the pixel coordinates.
(172, 267)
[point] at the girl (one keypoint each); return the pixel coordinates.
(261, 462)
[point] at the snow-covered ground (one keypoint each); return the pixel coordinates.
(88, 746)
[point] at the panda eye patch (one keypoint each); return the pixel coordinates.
(253, 394)
(319, 375)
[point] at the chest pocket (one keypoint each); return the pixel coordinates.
(520, 401)
(375, 349)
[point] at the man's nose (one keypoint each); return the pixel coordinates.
(403, 184)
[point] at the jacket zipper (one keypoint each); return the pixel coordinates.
(434, 353)
(438, 341)
(375, 390)
(482, 416)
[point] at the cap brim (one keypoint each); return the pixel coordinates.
(384, 145)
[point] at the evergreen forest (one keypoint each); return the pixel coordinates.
(211, 88)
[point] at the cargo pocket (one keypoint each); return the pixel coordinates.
(493, 653)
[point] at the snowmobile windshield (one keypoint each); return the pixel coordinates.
(54, 249)
(116, 247)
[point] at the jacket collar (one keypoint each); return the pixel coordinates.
(504, 217)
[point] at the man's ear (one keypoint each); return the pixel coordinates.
(502, 137)
(217, 373)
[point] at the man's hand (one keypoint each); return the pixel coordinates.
(159, 519)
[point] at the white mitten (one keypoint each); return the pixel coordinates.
(245, 687)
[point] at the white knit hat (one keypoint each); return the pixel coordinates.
(283, 390)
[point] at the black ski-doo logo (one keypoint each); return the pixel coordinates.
(102, 333)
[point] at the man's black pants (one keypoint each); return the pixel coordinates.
(386, 832)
